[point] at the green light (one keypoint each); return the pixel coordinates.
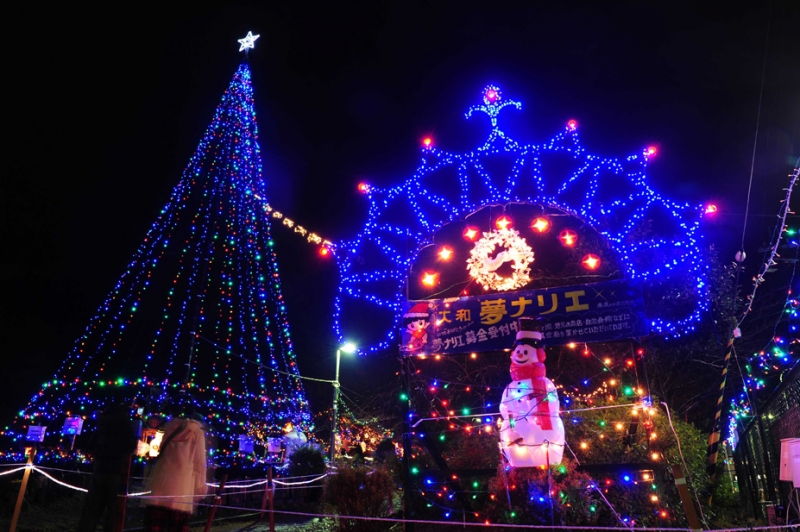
(602, 423)
(403, 397)
(592, 508)
(475, 484)
(465, 411)
(414, 470)
(513, 514)
(628, 390)
(441, 437)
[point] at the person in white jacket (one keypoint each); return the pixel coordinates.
(178, 479)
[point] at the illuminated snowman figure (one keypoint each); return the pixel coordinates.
(531, 434)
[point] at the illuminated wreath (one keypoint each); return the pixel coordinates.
(483, 267)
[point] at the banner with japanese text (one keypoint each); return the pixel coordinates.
(599, 312)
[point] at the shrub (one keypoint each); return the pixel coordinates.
(307, 459)
(360, 492)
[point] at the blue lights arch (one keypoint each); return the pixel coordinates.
(655, 241)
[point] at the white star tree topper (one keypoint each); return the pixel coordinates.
(248, 42)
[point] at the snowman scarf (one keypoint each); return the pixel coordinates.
(536, 373)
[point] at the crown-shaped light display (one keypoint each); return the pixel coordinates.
(655, 240)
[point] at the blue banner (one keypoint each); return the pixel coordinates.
(598, 312)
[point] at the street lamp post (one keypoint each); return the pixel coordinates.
(347, 348)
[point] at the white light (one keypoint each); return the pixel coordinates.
(348, 348)
(248, 41)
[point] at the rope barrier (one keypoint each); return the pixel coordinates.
(13, 470)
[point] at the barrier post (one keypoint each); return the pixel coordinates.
(271, 501)
(22, 488)
(217, 499)
(266, 494)
(122, 495)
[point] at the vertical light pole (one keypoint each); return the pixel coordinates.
(347, 348)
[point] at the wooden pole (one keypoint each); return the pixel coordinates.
(217, 499)
(271, 502)
(21, 496)
(686, 498)
(122, 495)
(264, 498)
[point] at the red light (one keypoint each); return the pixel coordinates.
(542, 225)
(324, 251)
(568, 237)
(363, 188)
(427, 141)
(504, 222)
(590, 262)
(572, 124)
(471, 233)
(445, 253)
(651, 151)
(711, 208)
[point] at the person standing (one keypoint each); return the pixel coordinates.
(112, 444)
(179, 477)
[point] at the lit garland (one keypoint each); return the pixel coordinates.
(206, 269)
(484, 268)
(609, 194)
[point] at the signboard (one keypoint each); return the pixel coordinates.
(36, 433)
(599, 312)
(245, 444)
(72, 426)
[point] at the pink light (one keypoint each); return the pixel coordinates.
(470, 233)
(651, 151)
(711, 208)
(572, 124)
(491, 94)
(363, 188)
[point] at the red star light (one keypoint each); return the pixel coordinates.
(470, 233)
(445, 253)
(568, 237)
(504, 222)
(590, 262)
(541, 225)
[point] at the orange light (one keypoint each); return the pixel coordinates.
(572, 124)
(504, 222)
(590, 262)
(654, 456)
(619, 426)
(445, 253)
(572, 345)
(651, 151)
(427, 142)
(430, 279)
(607, 362)
(584, 445)
(568, 237)
(363, 188)
(663, 514)
(542, 225)
(629, 362)
(438, 357)
(470, 233)
(473, 356)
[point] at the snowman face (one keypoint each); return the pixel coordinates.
(524, 354)
(417, 325)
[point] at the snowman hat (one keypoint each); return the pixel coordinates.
(420, 310)
(528, 332)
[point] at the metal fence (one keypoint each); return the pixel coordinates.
(757, 455)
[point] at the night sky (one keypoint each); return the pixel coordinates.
(103, 109)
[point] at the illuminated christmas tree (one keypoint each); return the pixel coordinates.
(198, 316)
